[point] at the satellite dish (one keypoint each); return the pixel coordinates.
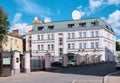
(36, 18)
(47, 19)
(76, 15)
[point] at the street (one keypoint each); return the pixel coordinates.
(84, 74)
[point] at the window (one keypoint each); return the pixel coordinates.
(96, 44)
(82, 24)
(48, 36)
(60, 41)
(84, 34)
(16, 42)
(84, 45)
(40, 28)
(60, 34)
(68, 46)
(80, 34)
(52, 36)
(68, 35)
(96, 33)
(52, 46)
(38, 37)
(61, 51)
(92, 33)
(38, 47)
(92, 44)
(73, 45)
(72, 35)
(80, 45)
(48, 47)
(41, 37)
(93, 23)
(50, 27)
(70, 25)
(42, 47)
(11, 40)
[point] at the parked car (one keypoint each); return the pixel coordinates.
(118, 65)
(71, 62)
(57, 64)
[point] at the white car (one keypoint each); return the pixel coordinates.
(71, 62)
(118, 65)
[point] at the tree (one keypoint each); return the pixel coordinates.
(117, 46)
(3, 26)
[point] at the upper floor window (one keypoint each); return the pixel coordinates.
(48, 47)
(96, 33)
(38, 37)
(40, 27)
(48, 36)
(16, 43)
(50, 27)
(42, 47)
(92, 33)
(84, 34)
(38, 47)
(52, 36)
(68, 46)
(52, 47)
(92, 44)
(82, 24)
(73, 36)
(80, 34)
(73, 45)
(70, 25)
(41, 37)
(80, 45)
(68, 35)
(96, 44)
(60, 41)
(84, 45)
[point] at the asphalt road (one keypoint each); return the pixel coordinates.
(84, 74)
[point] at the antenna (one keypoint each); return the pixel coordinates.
(47, 19)
(76, 15)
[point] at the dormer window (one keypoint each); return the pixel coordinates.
(70, 25)
(50, 27)
(40, 28)
(82, 24)
(95, 23)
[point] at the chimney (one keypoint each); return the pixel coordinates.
(15, 32)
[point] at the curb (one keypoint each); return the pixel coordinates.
(105, 78)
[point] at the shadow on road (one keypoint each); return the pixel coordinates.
(92, 70)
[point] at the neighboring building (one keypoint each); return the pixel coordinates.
(92, 37)
(14, 42)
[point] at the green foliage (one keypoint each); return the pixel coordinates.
(117, 46)
(3, 26)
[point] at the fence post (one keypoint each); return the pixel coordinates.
(27, 62)
(15, 62)
(77, 59)
(65, 60)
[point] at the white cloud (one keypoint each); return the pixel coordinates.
(18, 24)
(114, 21)
(116, 2)
(33, 8)
(95, 4)
(17, 17)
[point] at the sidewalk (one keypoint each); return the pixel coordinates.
(112, 78)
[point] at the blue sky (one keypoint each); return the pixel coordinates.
(22, 12)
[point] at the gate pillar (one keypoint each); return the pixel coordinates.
(65, 60)
(27, 61)
(47, 60)
(15, 62)
(77, 59)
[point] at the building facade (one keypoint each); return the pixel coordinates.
(84, 37)
(14, 42)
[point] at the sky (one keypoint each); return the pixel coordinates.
(22, 12)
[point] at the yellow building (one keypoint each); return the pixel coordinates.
(14, 42)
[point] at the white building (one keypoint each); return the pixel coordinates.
(86, 37)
